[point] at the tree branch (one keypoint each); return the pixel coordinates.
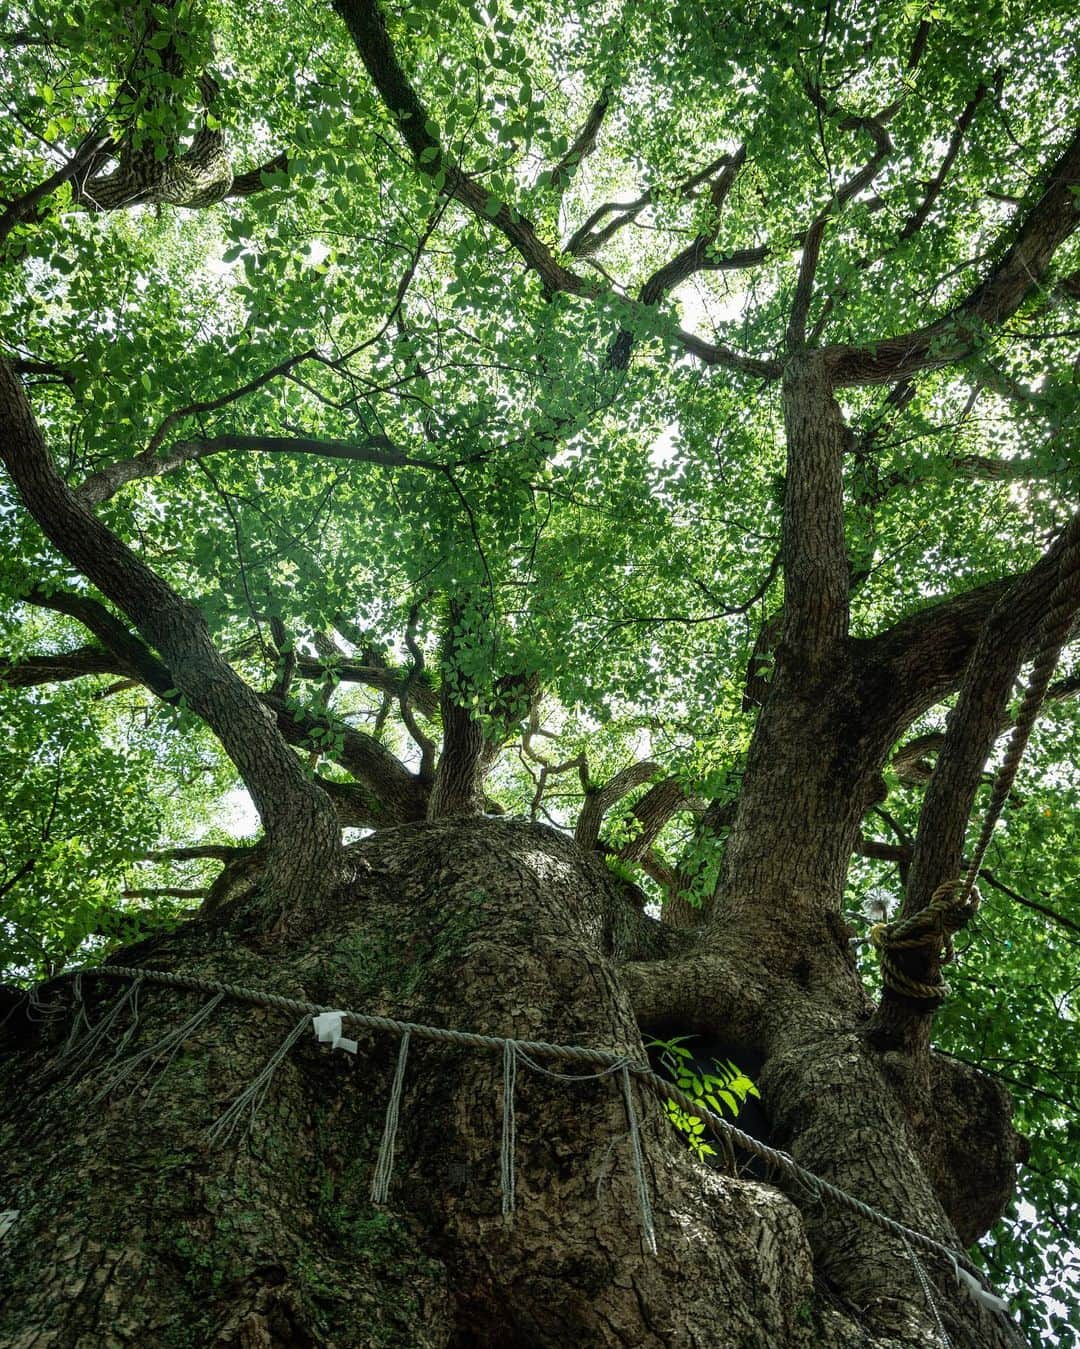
(584, 142)
(366, 25)
(974, 722)
(406, 693)
(301, 827)
(106, 482)
(599, 800)
(166, 892)
(1035, 239)
(25, 206)
(399, 796)
(650, 814)
(690, 260)
(800, 307)
(386, 793)
(914, 769)
(584, 241)
(59, 668)
(385, 678)
(920, 660)
(49, 369)
(921, 213)
(217, 852)
(134, 658)
(475, 726)
(247, 184)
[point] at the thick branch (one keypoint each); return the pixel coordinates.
(136, 661)
(650, 814)
(102, 485)
(385, 793)
(357, 806)
(398, 795)
(300, 824)
(1035, 239)
(49, 370)
(920, 660)
(974, 722)
(247, 184)
(600, 800)
(910, 762)
(467, 755)
(59, 668)
(971, 729)
(471, 743)
(816, 570)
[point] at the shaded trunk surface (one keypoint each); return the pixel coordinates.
(131, 1227)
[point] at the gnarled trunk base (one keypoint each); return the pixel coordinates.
(132, 1228)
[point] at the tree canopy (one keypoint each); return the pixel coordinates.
(433, 359)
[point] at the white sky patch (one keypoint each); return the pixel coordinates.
(699, 312)
(239, 816)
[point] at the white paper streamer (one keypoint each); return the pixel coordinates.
(979, 1293)
(328, 1030)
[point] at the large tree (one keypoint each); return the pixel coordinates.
(619, 459)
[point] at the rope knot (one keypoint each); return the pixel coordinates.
(931, 930)
(956, 904)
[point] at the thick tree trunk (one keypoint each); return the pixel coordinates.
(132, 1228)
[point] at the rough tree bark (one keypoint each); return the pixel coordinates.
(148, 1233)
(125, 1226)
(132, 1228)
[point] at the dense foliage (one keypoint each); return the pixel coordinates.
(487, 475)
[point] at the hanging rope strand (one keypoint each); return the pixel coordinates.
(784, 1164)
(384, 1163)
(509, 1130)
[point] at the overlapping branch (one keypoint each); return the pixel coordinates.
(695, 257)
(1028, 248)
(858, 182)
(974, 722)
(920, 660)
(599, 800)
(587, 239)
(366, 25)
